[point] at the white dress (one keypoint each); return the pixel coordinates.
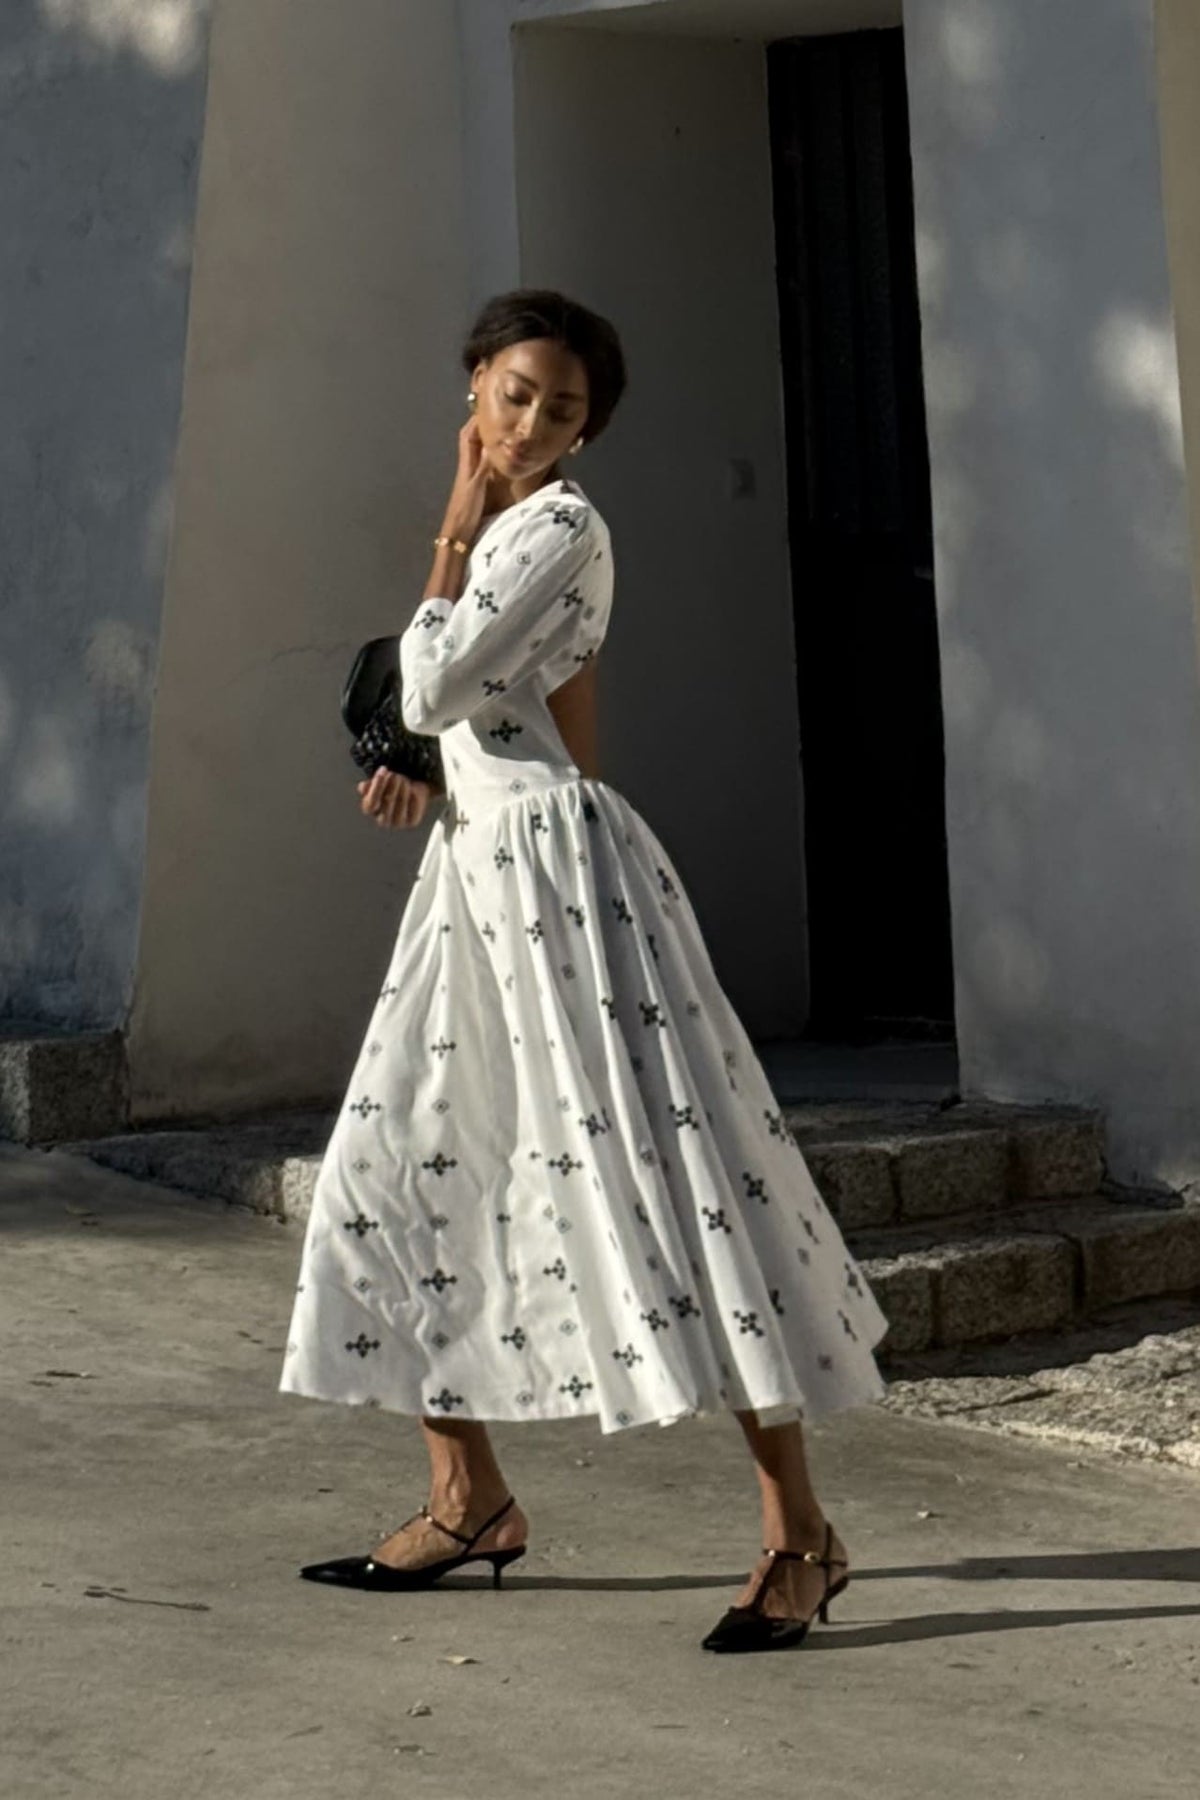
(559, 1184)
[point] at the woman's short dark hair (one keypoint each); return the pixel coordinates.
(527, 313)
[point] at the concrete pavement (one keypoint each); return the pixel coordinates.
(1024, 1619)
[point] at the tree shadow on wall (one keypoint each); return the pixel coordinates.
(102, 110)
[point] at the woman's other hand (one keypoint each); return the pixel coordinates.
(392, 799)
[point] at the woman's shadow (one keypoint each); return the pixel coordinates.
(1175, 1565)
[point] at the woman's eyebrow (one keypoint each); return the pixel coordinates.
(562, 394)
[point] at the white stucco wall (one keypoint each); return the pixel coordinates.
(643, 171)
(316, 453)
(102, 109)
(1063, 563)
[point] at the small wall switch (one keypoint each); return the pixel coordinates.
(743, 483)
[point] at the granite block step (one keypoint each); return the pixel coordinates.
(1042, 1268)
(876, 1166)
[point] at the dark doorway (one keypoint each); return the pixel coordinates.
(861, 539)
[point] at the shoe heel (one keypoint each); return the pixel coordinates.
(500, 1561)
(839, 1587)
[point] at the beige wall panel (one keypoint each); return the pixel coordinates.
(320, 407)
(644, 188)
(1178, 38)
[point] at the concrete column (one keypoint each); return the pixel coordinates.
(1063, 562)
(317, 448)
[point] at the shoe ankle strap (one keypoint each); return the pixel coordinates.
(460, 1537)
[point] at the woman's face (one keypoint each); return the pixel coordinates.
(532, 406)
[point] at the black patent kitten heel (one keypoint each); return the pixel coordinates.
(746, 1628)
(365, 1572)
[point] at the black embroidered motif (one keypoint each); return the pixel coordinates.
(684, 1115)
(852, 1280)
(365, 1107)
(655, 1320)
(360, 1225)
(653, 943)
(825, 1363)
(609, 1005)
(571, 598)
(807, 1224)
(446, 1401)
(516, 1337)
(389, 990)
(693, 1009)
(499, 686)
(592, 1125)
(576, 913)
(438, 1221)
(564, 1163)
(537, 822)
(536, 931)
(438, 1281)
(589, 811)
(628, 1356)
(583, 656)
(651, 1013)
(622, 910)
(506, 730)
(574, 1387)
(485, 600)
(442, 1048)
(429, 618)
(716, 1221)
(665, 882)
(439, 1163)
(488, 931)
(776, 1302)
(683, 1306)
(756, 1187)
(558, 1269)
(847, 1327)
(748, 1323)
(363, 1345)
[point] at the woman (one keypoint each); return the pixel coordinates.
(560, 1185)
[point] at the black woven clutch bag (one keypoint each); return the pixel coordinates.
(371, 712)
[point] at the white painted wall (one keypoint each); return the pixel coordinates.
(1063, 563)
(644, 189)
(317, 448)
(102, 110)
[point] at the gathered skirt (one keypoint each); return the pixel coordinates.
(560, 1184)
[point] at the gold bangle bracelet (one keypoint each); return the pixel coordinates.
(449, 543)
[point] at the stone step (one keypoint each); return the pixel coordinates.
(268, 1164)
(876, 1165)
(1040, 1268)
(57, 1084)
(900, 1164)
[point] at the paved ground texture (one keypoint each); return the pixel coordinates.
(1024, 1619)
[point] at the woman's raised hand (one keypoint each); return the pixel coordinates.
(392, 799)
(464, 510)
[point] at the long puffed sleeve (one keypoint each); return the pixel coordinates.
(526, 605)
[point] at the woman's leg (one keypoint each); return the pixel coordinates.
(465, 1488)
(792, 1519)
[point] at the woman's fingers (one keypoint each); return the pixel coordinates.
(393, 800)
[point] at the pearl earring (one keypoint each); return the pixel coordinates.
(472, 398)
(576, 447)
